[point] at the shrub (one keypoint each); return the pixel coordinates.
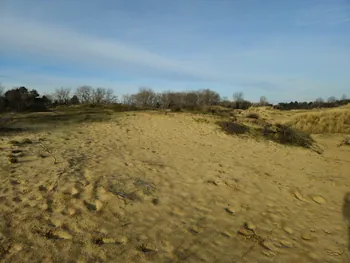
(253, 115)
(118, 107)
(176, 109)
(190, 108)
(346, 141)
(285, 134)
(233, 127)
(280, 133)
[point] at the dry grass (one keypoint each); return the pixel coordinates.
(59, 118)
(233, 127)
(288, 135)
(326, 121)
(253, 115)
(280, 133)
(6, 119)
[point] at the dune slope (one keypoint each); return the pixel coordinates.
(148, 187)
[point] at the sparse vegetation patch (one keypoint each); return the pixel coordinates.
(285, 134)
(233, 127)
(280, 133)
(253, 115)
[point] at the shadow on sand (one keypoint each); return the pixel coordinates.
(346, 214)
(32, 122)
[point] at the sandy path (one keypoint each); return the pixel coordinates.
(166, 188)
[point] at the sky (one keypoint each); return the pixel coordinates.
(282, 49)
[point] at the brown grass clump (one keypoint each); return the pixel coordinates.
(217, 110)
(253, 115)
(346, 141)
(285, 134)
(280, 133)
(233, 127)
(331, 121)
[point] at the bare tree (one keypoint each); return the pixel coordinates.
(129, 100)
(225, 102)
(2, 98)
(263, 101)
(176, 100)
(331, 99)
(110, 97)
(238, 100)
(238, 96)
(191, 98)
(343, 97)
(62, 95)
(164, 99)
(84, 94)
(146, 98)
(319, 100)
(208, 97)
(98, 95)
(74, 100)
(2, 90)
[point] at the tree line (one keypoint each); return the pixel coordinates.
(331, 102)
(22, 99)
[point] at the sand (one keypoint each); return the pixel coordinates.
(148, 187)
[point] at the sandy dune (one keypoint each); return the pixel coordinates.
(147, 187)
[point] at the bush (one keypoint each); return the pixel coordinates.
(233, 127)
(176, 109)
(190, 108)
(346, 141)
(118, 107)
(285, 134)
(253, 115)
(279, 133)
(243, 105)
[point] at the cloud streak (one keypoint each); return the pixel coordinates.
(109, 55)
(62, 44)
(196, 45)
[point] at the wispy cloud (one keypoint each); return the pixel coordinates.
(200, 46)
(110, 55)
(47, 83)
(62, 44)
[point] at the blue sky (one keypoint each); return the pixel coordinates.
(283, 49)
